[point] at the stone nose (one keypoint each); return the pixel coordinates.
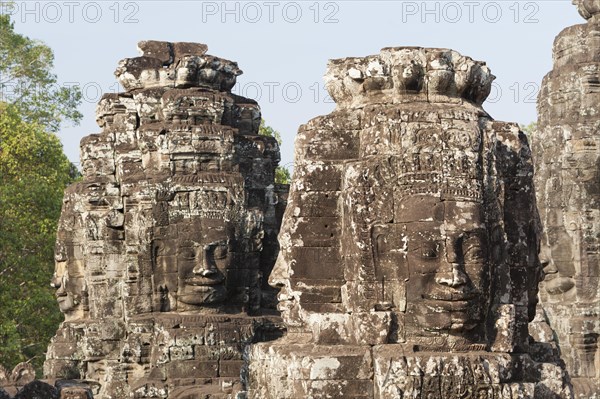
(204, 266)
(55, 282)
(279, 275)
(454, 277)
(548, 266)
(451, 272)
(59, 285)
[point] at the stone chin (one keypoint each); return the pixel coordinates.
(289, 308)
(286, 308)
(66, 303)
(202, 294)
(455, 322)
(559, 285)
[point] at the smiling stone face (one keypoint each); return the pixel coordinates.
(70, 287)
(203, 262)
(69, 268)
(192, 261)
(434, 263)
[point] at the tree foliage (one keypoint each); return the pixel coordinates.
(529, 129)
(282, 174)
(33, 175)
(266, 130)
(27, 81)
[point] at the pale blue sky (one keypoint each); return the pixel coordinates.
(283, 46)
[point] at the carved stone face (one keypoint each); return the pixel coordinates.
(287, 304)
(68, 280)
(439, 250)
(97, 156)
(557, 279)
(193, 262)
(202, 263)
(65, 298)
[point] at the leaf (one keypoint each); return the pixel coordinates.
(33, 175)
(27, 81)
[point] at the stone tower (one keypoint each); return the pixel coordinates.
(163, 245)
(567, 159)
(409, 248)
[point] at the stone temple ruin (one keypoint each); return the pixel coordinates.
(567, 153)
(406, 263)
(162, 247)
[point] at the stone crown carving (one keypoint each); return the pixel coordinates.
(176, 65)
(405, 74)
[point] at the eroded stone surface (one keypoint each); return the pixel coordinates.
(21, 384)
(408, 264)
(567, 158)
(13, 381)
(164, 246)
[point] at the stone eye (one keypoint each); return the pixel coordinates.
(430, 251)
(473, 253)
(188, 253)
(472, 250)
(220, 251)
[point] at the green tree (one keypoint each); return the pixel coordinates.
(282, 174)
(33, 175)
(529, 129)
(27, 81)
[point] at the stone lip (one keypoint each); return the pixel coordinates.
(588, 8)
(402, 74)
(176, 65)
